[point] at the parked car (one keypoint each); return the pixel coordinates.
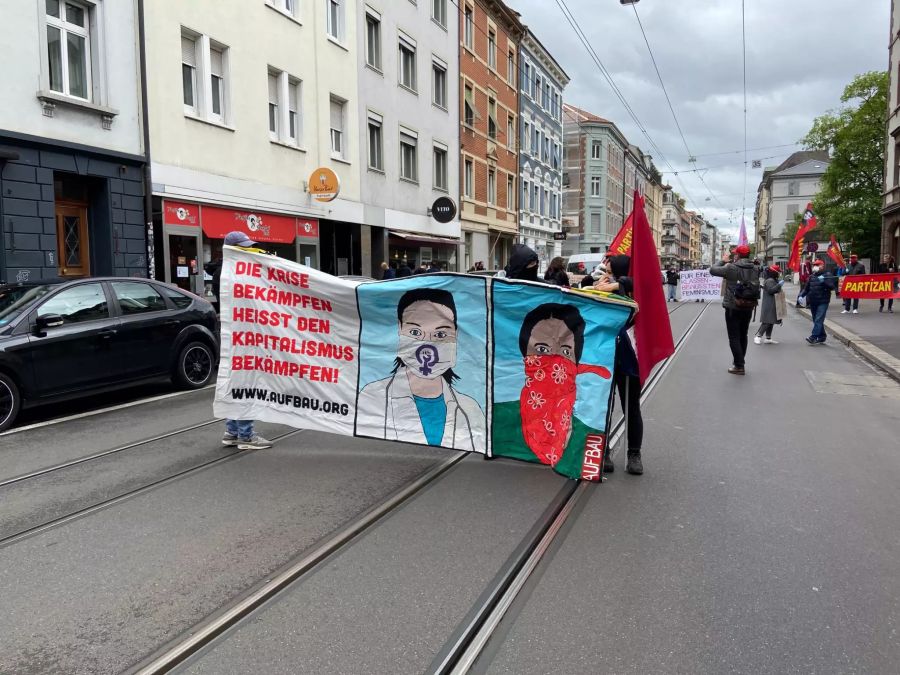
(580, 265)
(64, 339)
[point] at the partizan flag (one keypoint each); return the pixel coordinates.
(835, 253)
(809, 224)
(621, 245)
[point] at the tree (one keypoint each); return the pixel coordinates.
(849, 201)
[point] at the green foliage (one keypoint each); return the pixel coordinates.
(849, 201)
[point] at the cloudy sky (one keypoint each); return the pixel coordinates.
(800, 55)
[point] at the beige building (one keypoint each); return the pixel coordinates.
(890, 212)
(761, 214)
(653, 197)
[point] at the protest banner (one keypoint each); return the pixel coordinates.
(499, 367)
(870, 286)
(700, 285)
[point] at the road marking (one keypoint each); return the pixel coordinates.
(100, 411)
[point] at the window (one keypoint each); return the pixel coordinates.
(595, 149)
(217, 81)
(338, 147)
(526, 136)
(335, 19)
(510, 191)
(595, 186)
(469, 178)
(137, 298)
(469, 112)
(408, 64)
(492, 187)
(85, 302)
(511, 67)
(492, 49)
(595, 222)
(294, 127)
(373, 41)
(408, 159)
(526, 76)
(376, 160)
(439, 11)
(536, 87)
(439, 84)
(492, 118)
(469, 29)
(189, 72)
(510, 131)
(69, 48)
(273, 105)
(896, 163)
(793, 188)
(180, 300)
(526, 192)
(440, 167)
(284, 6)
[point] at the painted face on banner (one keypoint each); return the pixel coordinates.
(427, 343)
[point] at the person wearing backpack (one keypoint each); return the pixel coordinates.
(742, 293)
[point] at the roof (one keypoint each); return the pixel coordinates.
(802, 156)
(579, 115)
(812, 167)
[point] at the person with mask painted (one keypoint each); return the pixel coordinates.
(417, 403)
(817, 293)
(627, 380)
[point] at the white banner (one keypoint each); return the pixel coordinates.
(700, 285)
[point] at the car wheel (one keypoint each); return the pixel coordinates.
(10, 401)
(195, 367)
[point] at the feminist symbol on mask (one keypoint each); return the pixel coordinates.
(427, 356)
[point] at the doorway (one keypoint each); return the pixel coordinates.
(72, 244)
(181, 254)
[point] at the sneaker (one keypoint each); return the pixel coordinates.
(608, 466)
(734, 370)
(844, 311)
(255, 442)
(856, 311)
(770, 341)
(811, 340)
(757, 340)
(634, 466)
(229, 440)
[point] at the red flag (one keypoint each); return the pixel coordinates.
(835, 252)
(809, 224)
(621, 245)
(652, 331)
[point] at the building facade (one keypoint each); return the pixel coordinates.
(890, 212)
(72, 152)
(245, 101)
(669, 238)
(489, 38)
(542, 81)
(653, 200)
(409, 129)
(761, 212)
(596, 175)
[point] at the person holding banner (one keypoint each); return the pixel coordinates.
(672, 277)
(855, 267)
(887, 266)
(773, 306)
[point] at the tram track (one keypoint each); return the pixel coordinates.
(510, 579)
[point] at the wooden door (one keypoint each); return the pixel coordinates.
(73, 246)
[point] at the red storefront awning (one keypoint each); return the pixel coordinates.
(265, 227)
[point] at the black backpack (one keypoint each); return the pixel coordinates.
(747, 291)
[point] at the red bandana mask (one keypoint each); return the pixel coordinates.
(547, 402)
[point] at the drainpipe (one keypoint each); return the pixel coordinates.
(5, 156)
(148, 183)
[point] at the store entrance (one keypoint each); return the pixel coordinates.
(182, 247)
(340, 249)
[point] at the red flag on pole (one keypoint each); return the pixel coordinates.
(809, 224)
(621, 245)
(835, 252)
(652, 331)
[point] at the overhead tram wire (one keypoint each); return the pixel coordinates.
(738, 152)
(744, 52)
(593, 54)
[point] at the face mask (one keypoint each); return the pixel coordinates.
(427, 359)
(547, 402)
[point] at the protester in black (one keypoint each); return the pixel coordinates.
(523, 263)
(672, 277)
(887, 266)
(556, 273)
(855, 267)
(737, 318)
(403, 270)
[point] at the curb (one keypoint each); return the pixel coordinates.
(864, 348)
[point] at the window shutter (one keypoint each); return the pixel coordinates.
(215, 62)
(188, 51)
(337, 115)
(273, 88)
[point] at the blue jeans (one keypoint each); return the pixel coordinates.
(243, 429)
(672, 288)
(818, 314)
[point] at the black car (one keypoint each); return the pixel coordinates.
(63, 339)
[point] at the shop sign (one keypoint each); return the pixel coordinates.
(559, 236)
(181, 213)
(263, 227)
(324, 184)
(308, 228)
(443, 210)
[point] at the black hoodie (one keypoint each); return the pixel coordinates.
(521, 257)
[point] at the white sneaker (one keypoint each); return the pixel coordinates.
(844, 311)
(769, 341)
(255, 442)
(856, 311)
(757, 340)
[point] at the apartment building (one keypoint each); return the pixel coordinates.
(407, 110)
(890, 211)
(542, 81)
(489, 38)
(247, 98)
(72, 152)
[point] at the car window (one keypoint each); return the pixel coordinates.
(179, 299)
(85, 302)
(136, 297)
(588, 265)
(17, 299)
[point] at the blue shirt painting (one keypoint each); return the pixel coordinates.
(433, 414)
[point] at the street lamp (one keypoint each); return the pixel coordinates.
(629, 2)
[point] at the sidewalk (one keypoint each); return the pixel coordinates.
(872, 334)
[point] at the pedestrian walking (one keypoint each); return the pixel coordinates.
(855, 267)
(817, 293)
(626, 378)
(241, 433)
(403, 270)
(774, 306)
(672, 277)
(388, 271)
(887, 266)
(556, 273)
(741, 297)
